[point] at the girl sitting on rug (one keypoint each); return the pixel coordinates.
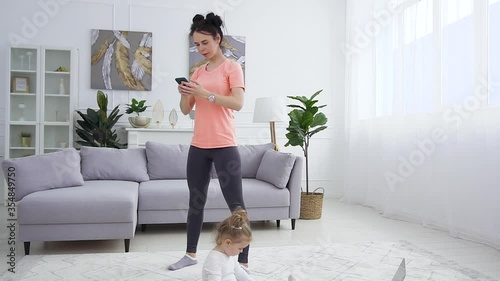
(232, 236)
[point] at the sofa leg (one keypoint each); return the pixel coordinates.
(143, 227)
(278, 223)
(293, 224)
(26, 248)
(127, 245)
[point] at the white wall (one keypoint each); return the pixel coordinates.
(292, 49)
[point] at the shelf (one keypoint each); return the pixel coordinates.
(21, 148)
(22, 71)
(53, 123)
(57, 95)
(23, 123)
(57, 72)
(46, 114)
(23, 94)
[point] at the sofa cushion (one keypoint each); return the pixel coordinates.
(43, 172)
(174, 195)
(251, 155)
(95, 202)
(275, 168)
(102, 163)
(166, 161)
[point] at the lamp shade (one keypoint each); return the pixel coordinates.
(270, 109)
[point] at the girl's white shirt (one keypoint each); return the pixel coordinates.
(221, 267)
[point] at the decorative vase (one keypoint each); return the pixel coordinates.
(172, 118)
(25, 141)
(21, 107)
(158, 113)
(62, 90)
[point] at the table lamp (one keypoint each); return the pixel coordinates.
(270, 109)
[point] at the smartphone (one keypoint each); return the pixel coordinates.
(179, 80)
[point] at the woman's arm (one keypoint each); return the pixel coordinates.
(192, 89)
(187, 101)
(234, 102)
(186, 104)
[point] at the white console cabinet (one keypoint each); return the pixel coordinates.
(138, 137)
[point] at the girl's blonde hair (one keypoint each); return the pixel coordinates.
(236, 227)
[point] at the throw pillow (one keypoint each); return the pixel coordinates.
(166, 161)
(276, 167)
(251, 156)
(42, 172)
(103, 163)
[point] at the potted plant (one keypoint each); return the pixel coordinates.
(306, 121)
(96, 127)
(138, 107)
(25, 139)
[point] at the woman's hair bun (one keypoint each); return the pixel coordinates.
(214, 19)
(198, 18)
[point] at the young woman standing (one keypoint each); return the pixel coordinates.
(217, 89)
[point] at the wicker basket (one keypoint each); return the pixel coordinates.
(311, 204)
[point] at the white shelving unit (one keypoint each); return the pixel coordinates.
(42, 108)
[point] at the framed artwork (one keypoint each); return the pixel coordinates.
(121, 60)
(233, 48)
(20, 85)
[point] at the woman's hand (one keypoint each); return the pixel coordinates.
(193, 89)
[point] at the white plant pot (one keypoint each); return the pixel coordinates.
(139, 121)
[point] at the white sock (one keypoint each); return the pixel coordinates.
(186, 260)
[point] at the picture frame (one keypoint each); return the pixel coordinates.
(20, 84)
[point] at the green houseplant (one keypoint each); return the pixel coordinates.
(305, 122)
(138, 107)
(96, 127)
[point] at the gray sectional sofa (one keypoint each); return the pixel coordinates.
(104, 193)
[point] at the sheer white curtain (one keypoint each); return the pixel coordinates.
(423, 126)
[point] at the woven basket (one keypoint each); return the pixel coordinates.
(311, 204)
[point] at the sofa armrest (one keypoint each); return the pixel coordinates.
(294, 186)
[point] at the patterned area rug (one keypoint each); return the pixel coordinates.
(374, 261)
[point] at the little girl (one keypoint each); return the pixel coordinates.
(233, 235)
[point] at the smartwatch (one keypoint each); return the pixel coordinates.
(211, 98)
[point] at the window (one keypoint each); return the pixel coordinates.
(457, 52)
(494, 52)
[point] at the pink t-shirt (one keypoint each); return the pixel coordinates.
(214, 125)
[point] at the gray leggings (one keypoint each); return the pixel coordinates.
(199, 164)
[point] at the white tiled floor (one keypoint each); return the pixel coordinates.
(340, 222)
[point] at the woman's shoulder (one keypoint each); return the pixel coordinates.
(231, 65)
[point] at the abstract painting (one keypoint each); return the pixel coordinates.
(233, 48)
(121, 60)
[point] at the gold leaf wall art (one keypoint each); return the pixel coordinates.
(121, 60)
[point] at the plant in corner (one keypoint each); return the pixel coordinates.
(138, 107)
(97, 126)
(305, 122)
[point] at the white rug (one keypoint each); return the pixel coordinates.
(377, 261)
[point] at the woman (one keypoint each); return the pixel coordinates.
(217, 89)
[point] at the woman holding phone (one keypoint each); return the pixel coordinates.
(217, 89)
